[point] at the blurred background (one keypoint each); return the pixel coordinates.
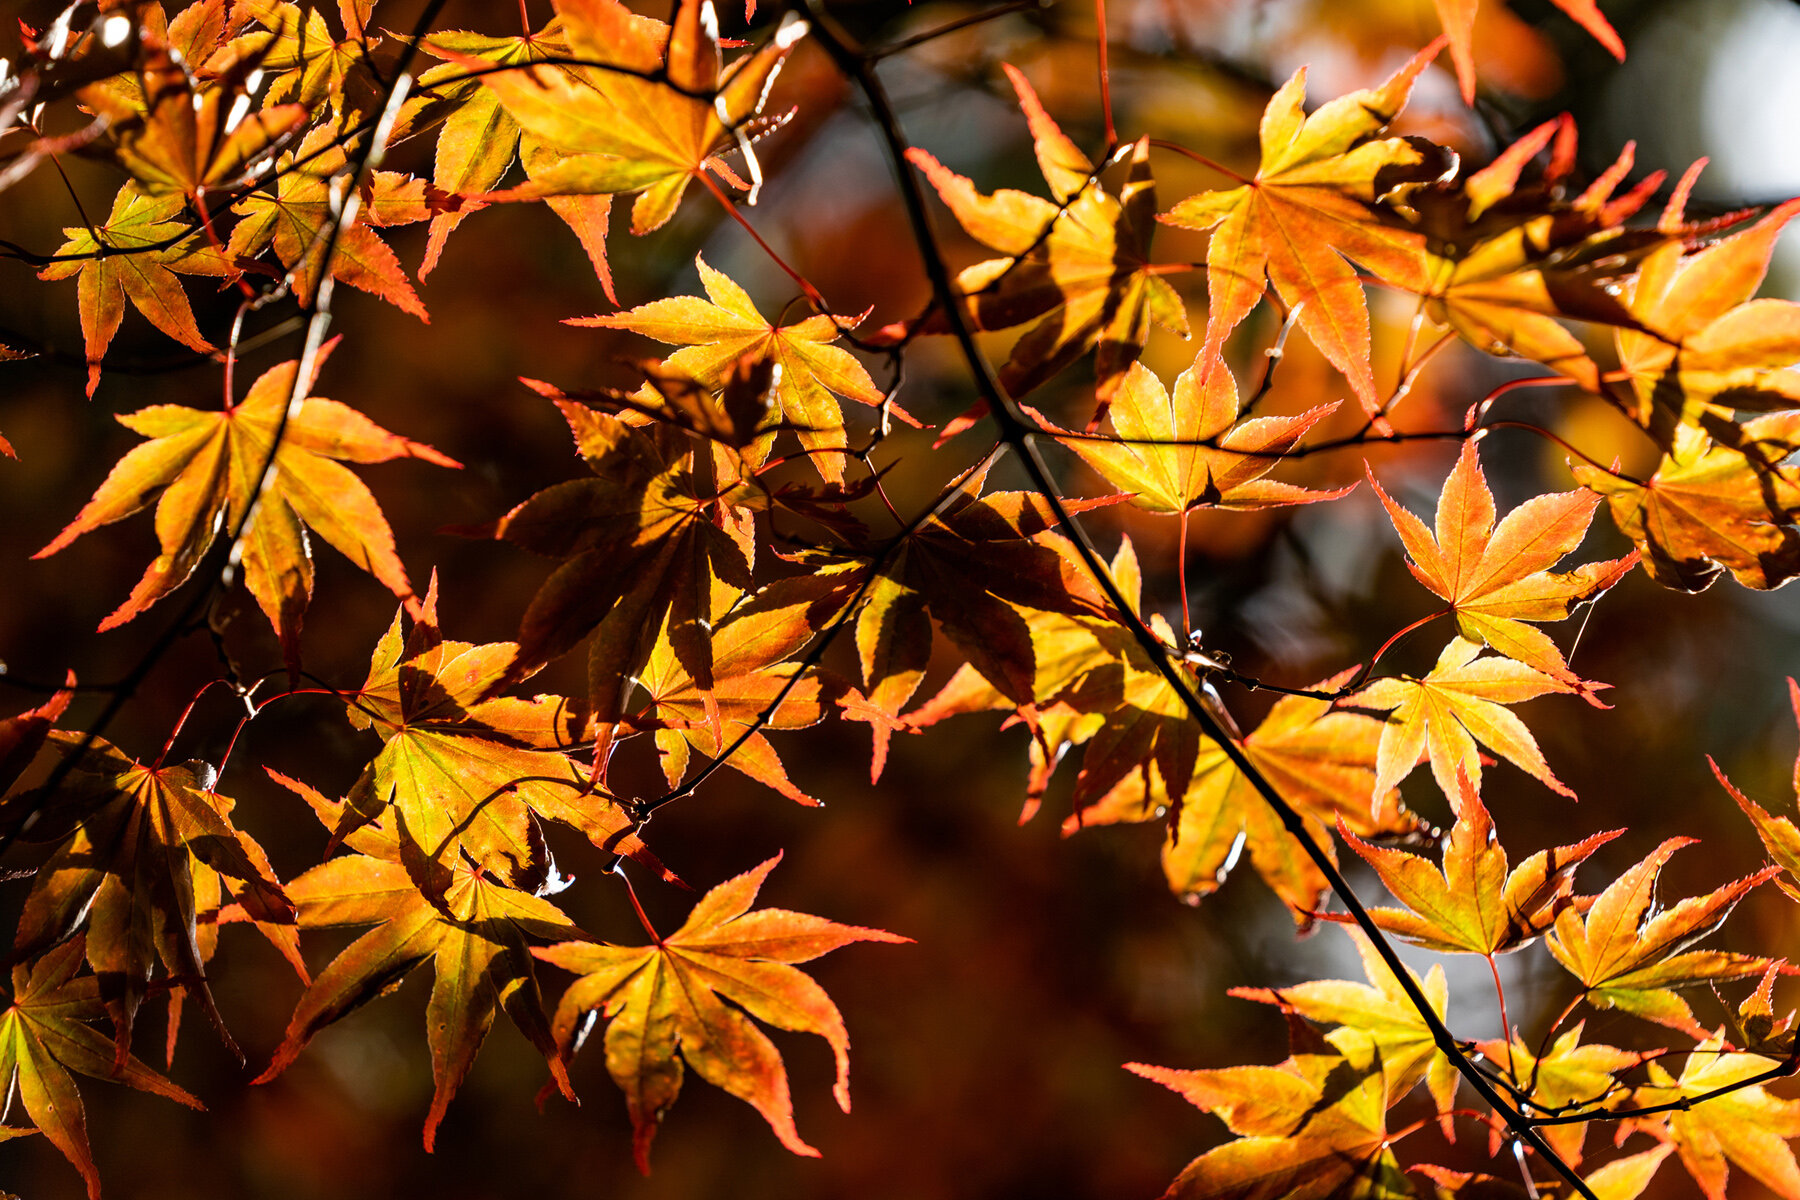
(987, 1057)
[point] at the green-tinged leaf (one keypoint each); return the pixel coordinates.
(1746, 1126)
(44, 1035)
(135, 256)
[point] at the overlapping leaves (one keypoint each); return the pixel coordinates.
(1076, 268)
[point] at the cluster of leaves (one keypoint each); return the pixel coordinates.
(248, 140)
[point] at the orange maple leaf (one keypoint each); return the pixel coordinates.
(809, 374)
(1459, 703)
(1473, 904)
(206, 465)
(1496, 577)
(670, 997)
(135, 255)
(1311, 205)
(1189, 450)
(1630, 955)
(1713, 507)
(1077, 268)
(1458, 17)
(473, 931)
(653, 122)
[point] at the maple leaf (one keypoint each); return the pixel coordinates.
(1713, 507)
(1502, 265)
(893, 635)
(1459, 703)
(1778, 835)
(298, 220)
(1497, 577)
(23, 735)
(1313, 1126)
(809, 372)
(1746, 1126)
(1630, 960)
(1570, 1077)
(981, 565)
(296, 48)
(185, 137)
(751, 673)
(206, 465)
(473, 931)
(651, 119)
(1079, 267)
(1319, 762)
(1190, 450)
(44, 1036)
(1381, 1011)
(480, 139)
(467, 773)
(1473, 904)
(1147, 758)
(1312, 204)
(133, 839)
(1458, 17)
(670, 996)
(656, 546)
(1708, 347)
(135, 255)
(1754, 1027)
(1621, 1179)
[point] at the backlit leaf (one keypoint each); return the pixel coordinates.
(670, 998)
